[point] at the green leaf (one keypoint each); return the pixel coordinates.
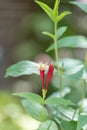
(48, 125)
(62, 15)
(47, 9)
(58, 101)
(82, 121)
(65, 113)
(68, 125)
(49, 34)
(69, 62)
(71, 41)
(35, 110)
(76, 72)
(61, 31)
(56, 7)
(83, 6)
(22, 68)
(66, 90)
(30, 96)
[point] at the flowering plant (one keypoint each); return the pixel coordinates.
(55, 112)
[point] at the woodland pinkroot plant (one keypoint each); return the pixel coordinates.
(56, 112)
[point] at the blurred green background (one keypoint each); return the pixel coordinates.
(21, 25)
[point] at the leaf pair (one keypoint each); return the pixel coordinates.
(53, 13)
(59, 33)
(33, 105)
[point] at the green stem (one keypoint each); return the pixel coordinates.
(86, 58)
(84, 90)
(61, 79)
(55, 43)
(43, 97)
(56, 56)
(43, 102)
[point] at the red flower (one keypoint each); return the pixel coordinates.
(48, 76)
(42, 77)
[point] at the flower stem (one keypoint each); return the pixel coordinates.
(43, 96)
(43, 102)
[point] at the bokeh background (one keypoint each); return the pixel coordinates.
(21, 25)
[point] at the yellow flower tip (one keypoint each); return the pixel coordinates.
(42, 65)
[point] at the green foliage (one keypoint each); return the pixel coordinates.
(47, 9)
(49, 34)
(48, 125)
(69, 63)
(71, 42)
(53, 14)
(82, 121)
(61, 31)
(9, 125)
(62, 15)
(30, 96)
(76, 72)
(10, 112)
(83, 6)
(56, 7)
(36, 110)
(68, 125)
(58, 101)
(22, 68)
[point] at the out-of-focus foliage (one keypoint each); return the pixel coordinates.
(12, 116)
(9, 112)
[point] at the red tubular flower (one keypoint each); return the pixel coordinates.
(42, 77)
(49, 75)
